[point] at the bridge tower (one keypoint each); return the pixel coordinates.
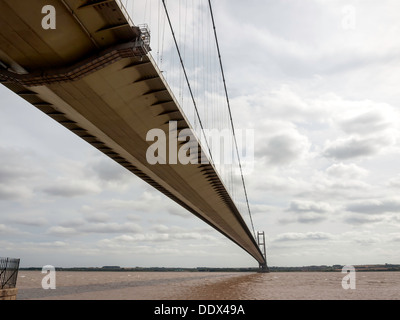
(263, 247)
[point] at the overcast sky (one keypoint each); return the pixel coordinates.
(317, 81)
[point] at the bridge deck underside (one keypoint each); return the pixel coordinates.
(112, 107)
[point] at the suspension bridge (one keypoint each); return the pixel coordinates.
(87, 65)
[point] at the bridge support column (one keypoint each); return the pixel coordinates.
(261, 243)
(263, 268)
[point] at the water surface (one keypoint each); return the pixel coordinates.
(208, 286)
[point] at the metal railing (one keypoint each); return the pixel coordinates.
(8, 272)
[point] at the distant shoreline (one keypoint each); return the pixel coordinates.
(322, 268)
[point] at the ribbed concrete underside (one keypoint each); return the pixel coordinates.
(113, 103)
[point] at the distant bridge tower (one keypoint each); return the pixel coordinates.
(263, 247)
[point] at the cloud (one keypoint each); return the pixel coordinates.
(71, 188)
(177, 232)
(108, 174)
(137, 239)
(18, 173)
(375, 206)
(395, 237)
(97, 217)
(343, 180)
(355, 147)
(309, 236)
(94, 228)
(6, 230)
(308, 212)
(29, 221)
(62, 231)
(310, 206)
(395, 182)
(141, 238)
(368, 123)
(73, 224)
(97, 174)
(92, 214)
(148, 202)
(287, 102)
(346, 171)
(127, 227)
(361, 220)
(294, 42)
(371, 128)
(17, 164)
(284, 146)
(12, 172)
(261, 208)
(14, 192)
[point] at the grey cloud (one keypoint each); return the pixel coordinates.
(14, 172)
(178, 211)
(16, 165)
(283, 149)
(167, 229)
(159, 237)
(310, 206)
(73, 223)
(91, 228)
(312, 236)
(108, 171)
(97, 217)
(133, 217)
(148, 202)
(29, 221)
(111, 228)
(69, 189)
(88, 217)
(62, 231)
(303, 42)
(6, 230)
(193, 236)
(175, 230)
(310, 217)
(395, 182)
(368, 123)
(360, 220)
(308, 211)
(375, 206)
(396, 238)
(14, 192)
(370, 131)
(354, 147)
(347, 171)
(261, 208)
(367, 242)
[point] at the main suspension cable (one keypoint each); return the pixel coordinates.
(187, 78)
(230, 113)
